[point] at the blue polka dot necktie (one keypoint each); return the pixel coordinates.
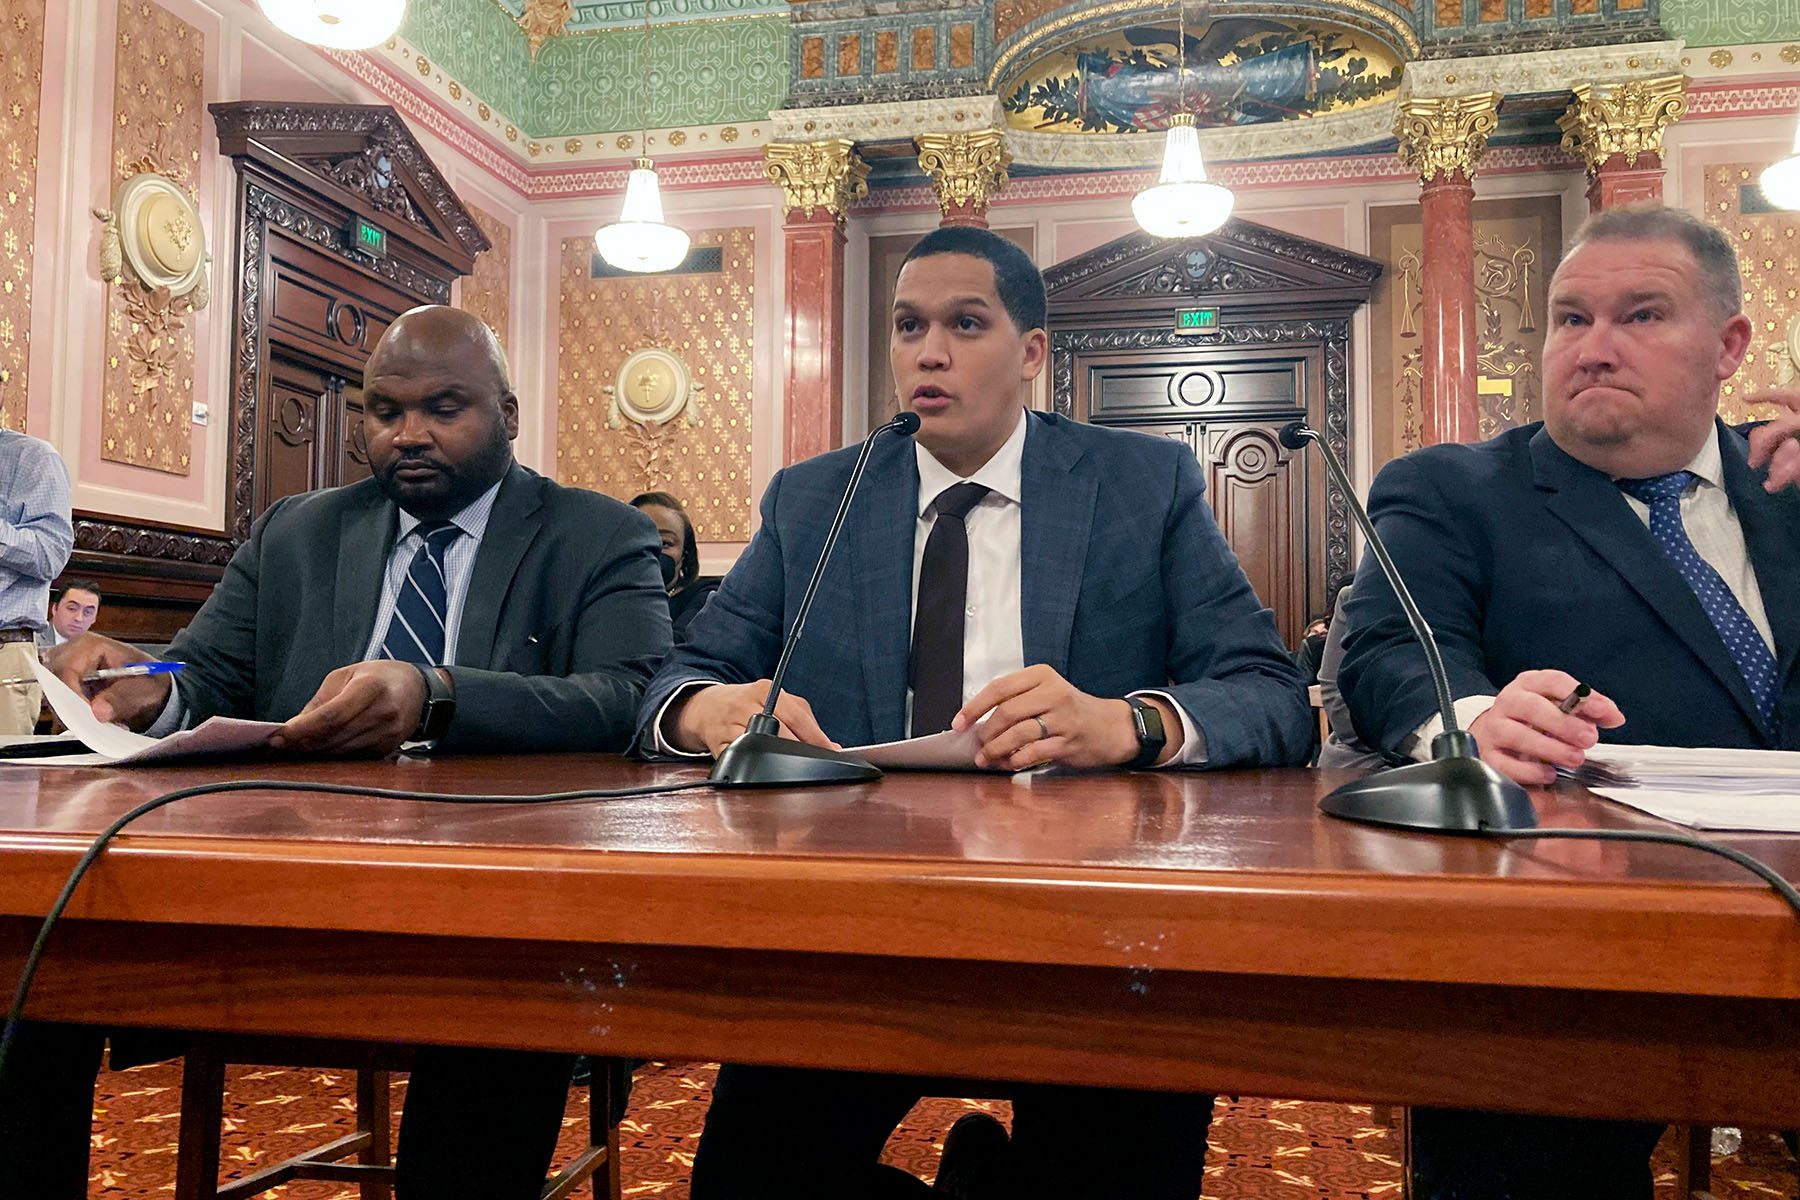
(415, 632)
(1742, 641)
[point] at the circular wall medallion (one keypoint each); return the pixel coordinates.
(653, 387)
(1793, 342)
(159, 230)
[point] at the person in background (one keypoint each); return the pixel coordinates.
(73, 614)
(36, 536)
(1312, 645)
(688, 590)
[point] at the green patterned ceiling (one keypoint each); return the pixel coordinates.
(1731, 22)
(617, 13)
(710, 71)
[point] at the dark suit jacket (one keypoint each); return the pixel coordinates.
(1126, 583)
(564, 621)
(1521, 557)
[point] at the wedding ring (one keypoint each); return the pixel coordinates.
(1043, 729)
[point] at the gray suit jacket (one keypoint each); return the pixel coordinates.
(564, 622)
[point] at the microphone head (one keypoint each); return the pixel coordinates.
(906, 424)
(1295, 434)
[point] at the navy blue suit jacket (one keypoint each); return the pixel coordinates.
(1521, 558)
(1126, 583)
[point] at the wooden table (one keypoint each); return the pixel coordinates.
(1203, 931)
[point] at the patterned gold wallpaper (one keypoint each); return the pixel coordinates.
(487, 293)
(21, 83)
(704, 319)
(1516, 245)
(158, 106)
(1768, 249)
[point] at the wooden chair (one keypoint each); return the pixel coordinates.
(202, 1104)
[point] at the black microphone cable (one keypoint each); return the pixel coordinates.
(16, 1013)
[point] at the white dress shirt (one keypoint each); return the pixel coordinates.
(459, 564)
(993, 627)
(1712, 526)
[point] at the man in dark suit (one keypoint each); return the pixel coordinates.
(1629, 542)
(1065, 585)
(455, 599)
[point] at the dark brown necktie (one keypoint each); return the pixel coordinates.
(937, 636)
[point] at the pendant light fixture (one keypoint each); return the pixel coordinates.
(1182, 203)
(1781, 181)
(640, 240)
(337, 24)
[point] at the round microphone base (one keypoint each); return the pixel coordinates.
(1449, 795)
(764, 760)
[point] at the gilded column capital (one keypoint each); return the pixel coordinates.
(1625, 118)
(826, 174)
(1446, 135)
(967, 169)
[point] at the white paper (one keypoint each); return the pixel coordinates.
(1746, 813)
(1701, 787)
(946, 751)
(113, 746)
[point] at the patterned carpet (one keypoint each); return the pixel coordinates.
(1261, 1150)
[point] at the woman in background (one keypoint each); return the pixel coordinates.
(688, 590)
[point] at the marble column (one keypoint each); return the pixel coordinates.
(1442, 138)
(818, 182)
(1617, 129)
(967, 169)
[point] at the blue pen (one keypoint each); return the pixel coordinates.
(134, 671)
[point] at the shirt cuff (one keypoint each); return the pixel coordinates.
(1418, 746)
(173, 715)
(662, 744)
(1193, 742)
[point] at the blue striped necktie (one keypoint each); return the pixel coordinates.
(1662, 493)
(415, 632)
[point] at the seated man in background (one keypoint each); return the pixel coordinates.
(76, 608)
(1630, 542)
(455, 599)
(36, 536)
(1074, 594)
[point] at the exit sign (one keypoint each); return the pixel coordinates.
(367, 238)
(1196, 320)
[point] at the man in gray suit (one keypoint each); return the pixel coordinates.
(455, 599)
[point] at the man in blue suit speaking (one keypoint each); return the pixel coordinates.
(1062, 586)
(1631, 542)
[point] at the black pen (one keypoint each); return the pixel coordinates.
(1573, 700)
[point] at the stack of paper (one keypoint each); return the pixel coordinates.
(1701, 787)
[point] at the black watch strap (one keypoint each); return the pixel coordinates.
(1147, 720)
(439, 706)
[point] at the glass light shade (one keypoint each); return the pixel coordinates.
(337, 24)
(640, 240)
(1781, 181)
(1182, 203)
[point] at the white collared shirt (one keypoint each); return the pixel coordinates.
(1712, 526)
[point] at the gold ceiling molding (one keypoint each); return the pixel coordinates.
(1446, 135)
(966, 168)
(1622, 118)
(825, 174)
(543, 20)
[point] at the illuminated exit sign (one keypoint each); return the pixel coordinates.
(1196, 320)
(369, 239)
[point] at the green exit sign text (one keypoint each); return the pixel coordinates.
(370, 239)
(1190, 320)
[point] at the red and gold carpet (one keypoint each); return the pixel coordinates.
(1261, 1149)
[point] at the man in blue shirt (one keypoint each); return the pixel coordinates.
(35, 539)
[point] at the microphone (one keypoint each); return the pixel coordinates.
(760, 756)
(1455, 792)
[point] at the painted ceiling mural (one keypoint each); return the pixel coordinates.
(1233, 71)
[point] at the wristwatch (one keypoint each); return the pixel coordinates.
(439, 706)
(1147, 721)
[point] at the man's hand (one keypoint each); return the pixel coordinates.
(1040, 717)
(1526, 737)
(711, 719)
(369, 708)
(1774, 445)
(134, 703)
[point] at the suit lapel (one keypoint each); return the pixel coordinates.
(365, 540)
(879, 534)
(1594, 508)
(1056, 518)
(1771, 527)
(512, 526)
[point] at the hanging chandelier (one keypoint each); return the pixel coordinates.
(1182, 203)
(1781, 181)
(640, 240)
(337, 24)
